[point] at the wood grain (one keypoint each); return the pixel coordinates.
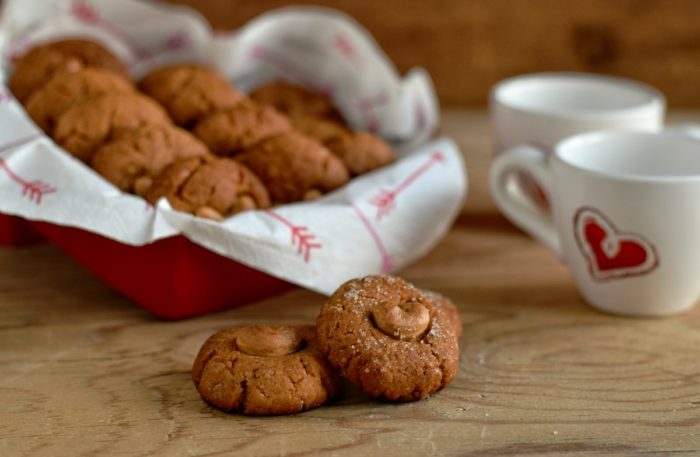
(84, 372)
(467, 46)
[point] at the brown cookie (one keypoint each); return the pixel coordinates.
(66, 89)
(234, 130)
(318, 128)
(294, 167)
(133, 158)
(190, 92)
(264, 370)
(388, 338)
(445, 305)
(295, 100)
(361, 152)
(85, 126)
(209, 187)
(41, 63)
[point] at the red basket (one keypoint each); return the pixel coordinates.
(173, 278)
(15, 231)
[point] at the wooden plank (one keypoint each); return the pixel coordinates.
(85, 372)
(467, 46)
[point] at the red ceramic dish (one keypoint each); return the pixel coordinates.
(15, 231)
(173, 278)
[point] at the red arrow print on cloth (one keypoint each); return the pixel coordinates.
(367, 107)
(385, 201)
(345, 47)
(387, 261)
(34, 190)
(300, 238)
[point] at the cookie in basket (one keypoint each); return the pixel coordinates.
(189, 92)
(264, 370)
(133, 158)
(361, 152)
(234, 130)
(294, 167)
(36, 67)
(209, 187)
(64, 90)
(85, 126)
(389, 338)
(295, 100)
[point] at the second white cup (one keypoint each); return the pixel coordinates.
(541, 109)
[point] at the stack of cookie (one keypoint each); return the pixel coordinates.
(185, 133)
(387, 337)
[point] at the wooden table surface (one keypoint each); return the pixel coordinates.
(85, 372)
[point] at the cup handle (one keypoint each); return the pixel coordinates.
(513, 203)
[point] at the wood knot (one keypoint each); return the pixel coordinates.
(268, 340)
(404, 321)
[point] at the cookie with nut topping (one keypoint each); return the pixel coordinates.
(133, 158)
(264, 370)
(294, 167)
(209, 187)
(388, 338)
(38, 65)
(189, 92)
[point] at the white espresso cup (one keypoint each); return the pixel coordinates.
(625, 215)
(542, 109)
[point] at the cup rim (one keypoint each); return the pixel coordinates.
(599, 135)
(656, 102)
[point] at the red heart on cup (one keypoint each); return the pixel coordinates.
(611, 254)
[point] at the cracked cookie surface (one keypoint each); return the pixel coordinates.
(264, 370)
(361, 152)
(295, 100)
(209, 187)
(85, 126)
(38, 65)
(64, 90)
(133, 158)
(189, 92)
(234, 130)
(388, 338)
(294, 167)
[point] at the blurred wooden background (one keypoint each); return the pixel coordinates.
(468, 45)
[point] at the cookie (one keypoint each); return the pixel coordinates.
(388, 338)
(361, 152)
(85, 126)
(209, 187)
(41, 63)
(445, 305)
(318, 128)
(294, 167)
(133, 158)
(264, 370)
(64, 90)
(234, 130)
(189, 92)
(295, 100)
